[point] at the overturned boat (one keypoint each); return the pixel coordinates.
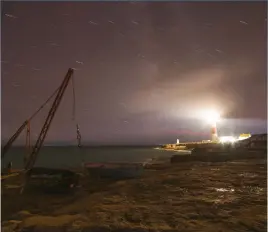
(115, 170)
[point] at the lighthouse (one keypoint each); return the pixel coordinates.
(214, 134)
(212, 117)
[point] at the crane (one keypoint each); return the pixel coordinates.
(12, 139)
(26, 122)
(50, 116)
(34, 153)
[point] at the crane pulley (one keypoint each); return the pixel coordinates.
(78, 136)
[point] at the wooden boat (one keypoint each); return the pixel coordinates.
(115, 170)
(50, 179)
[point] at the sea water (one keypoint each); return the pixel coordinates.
(69, 157)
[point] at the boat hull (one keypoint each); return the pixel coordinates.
(52, 180)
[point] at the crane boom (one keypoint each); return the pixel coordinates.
(12, 139)
(18, 132)
(32, 158)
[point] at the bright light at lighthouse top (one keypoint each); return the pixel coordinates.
(211, 116)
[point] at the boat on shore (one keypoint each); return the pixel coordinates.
(115, 170)
(52, 179)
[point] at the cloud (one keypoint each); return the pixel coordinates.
(179, 93)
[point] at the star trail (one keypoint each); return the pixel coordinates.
(142, 69)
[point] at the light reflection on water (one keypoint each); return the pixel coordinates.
(251, 189)
(247, 174)
(224, 190)
(214, 169)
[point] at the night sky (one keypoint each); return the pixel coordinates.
(143, 70)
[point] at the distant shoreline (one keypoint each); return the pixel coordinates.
(94, 146)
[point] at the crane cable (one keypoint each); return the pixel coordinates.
(28, 134)
(28, 126)
(74, 116)
(28, 143)
(28, 120)
(44, 104)
(78, 134)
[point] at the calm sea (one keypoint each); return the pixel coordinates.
(65, 157)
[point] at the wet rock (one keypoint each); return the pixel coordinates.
(50, 221)
(10, 226)
(193, 216)
(224, 214)
(21, 215)
(44, 229)
(77, 225)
